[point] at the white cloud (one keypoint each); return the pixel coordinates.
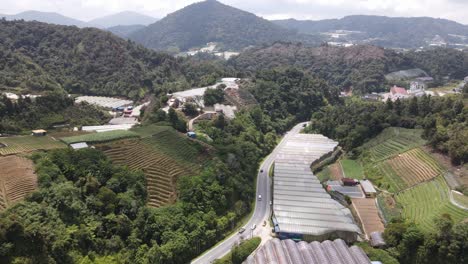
(300, 9)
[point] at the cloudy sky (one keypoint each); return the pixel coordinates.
(270, 9)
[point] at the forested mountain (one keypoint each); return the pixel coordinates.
(125, 18)
(46, 17)
(125, 31)
(359, 67)
(37, 57)
(211, 21)
(399, 32)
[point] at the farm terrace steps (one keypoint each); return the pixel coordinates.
(424, 202)
(16, 181)
(159, 158)
(369, 215)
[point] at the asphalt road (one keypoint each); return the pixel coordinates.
(262, 208)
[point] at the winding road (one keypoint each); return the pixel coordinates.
(262, 208)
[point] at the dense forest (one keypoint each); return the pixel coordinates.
(54, 108)
(392, 32)
(362, 68)
(444, 120)
(38, 57)
(212, 21)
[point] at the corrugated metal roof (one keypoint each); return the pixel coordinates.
(300, 203)
(289, 252)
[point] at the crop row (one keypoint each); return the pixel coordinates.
(22, 144)
(100, 137)
(16, 180)
(423, 203)
(161, 170)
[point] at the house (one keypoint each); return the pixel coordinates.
(377, 240)
(417, 86)
(39, 132)
(80, 145)
(368, 189)
(397, 93)
(371, 97)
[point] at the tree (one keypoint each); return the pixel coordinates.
(213, 96)
(190, 109)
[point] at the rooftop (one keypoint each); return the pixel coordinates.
(300, 203)
(367, 186)
(289, 252)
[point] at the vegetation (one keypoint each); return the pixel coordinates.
(377, 254)
(352, 169)
(357, 121)
(394, 32)
(23, 144)
(213, 96)
(359, 68)
(42, 57)
(54, 108)
(423, 203)
(100, 137)
(210, 21)
(446, 244)
(239, 253)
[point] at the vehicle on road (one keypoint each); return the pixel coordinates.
(261, 171)
(253, 226)
(271, 203)
(259, 197)
(241, 230)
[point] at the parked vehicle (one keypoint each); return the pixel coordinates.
(259, 197)
(241, 230)
(253, 226)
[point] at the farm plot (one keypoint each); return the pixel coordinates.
(17, 179)
(21, 144)
(423, 203)
(163, 159)
(369, 215)
(414, 166)
(392, 141)
(100, 137)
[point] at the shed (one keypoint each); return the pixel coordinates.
(368, 189)
(191, 134)
(39, 132)
(349, 182)
(80, 145)
(376, 239)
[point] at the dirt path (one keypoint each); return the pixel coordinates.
(336, 172)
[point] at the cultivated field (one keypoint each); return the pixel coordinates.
(17, 179)
(424, 202)
(414, 166)
(21, 144)
(369, 215)
(392, 141)
(100, 137)
(163, 158)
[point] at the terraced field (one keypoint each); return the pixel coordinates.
(17, 179)
(393, 141)
(21, 144)
(424, 202)
(414, 166)
(163, 158)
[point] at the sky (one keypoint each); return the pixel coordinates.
(270, 9)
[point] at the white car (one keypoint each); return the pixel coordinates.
(259, 197)
(253, 226)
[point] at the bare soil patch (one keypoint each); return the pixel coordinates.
(369, 215)
(460, 172)
(336, 172)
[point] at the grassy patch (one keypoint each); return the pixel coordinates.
(240, 253)
(352, 169)
(100, 137)
(150, 130)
